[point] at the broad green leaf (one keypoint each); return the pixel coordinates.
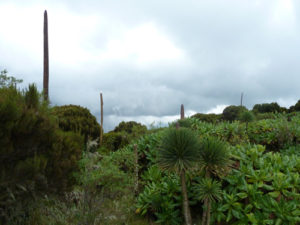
(242, 195)
(274, 194)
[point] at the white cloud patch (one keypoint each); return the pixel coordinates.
(217, 109)
(142, 45)
(148, 57)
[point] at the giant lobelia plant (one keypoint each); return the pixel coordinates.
(179, 151)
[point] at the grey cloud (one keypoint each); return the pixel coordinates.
(230, 47)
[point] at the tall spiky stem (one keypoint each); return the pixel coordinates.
(182, 112)
(242, 95)
(101, 124)
(46, 58)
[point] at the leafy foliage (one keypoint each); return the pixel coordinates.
(8, 81)
(231, 113)
(122, 135)
(259, 190)
(77, 119)
(267, 108)
(295, 108)
(35, 156)
(161, 197)
(130, 127)
(209, 118)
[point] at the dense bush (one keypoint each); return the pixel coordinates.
(295, 108)
(210, 118)
(35, 155)
(262, 189)
(231, 113)
(130, 127)
(267, 108)
(122, 135)
(115, 140)
(77, 119)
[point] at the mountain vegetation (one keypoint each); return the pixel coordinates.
(238, 167)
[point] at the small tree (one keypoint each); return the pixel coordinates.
(214, 159)
(209, 190)
(179, 151)
(7, 81)
(247, 117)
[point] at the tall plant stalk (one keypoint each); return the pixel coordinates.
(101, 120)
(182, 112)
(46, 59)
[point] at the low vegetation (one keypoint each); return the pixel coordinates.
(239, 167)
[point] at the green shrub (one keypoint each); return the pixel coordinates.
(122, 135)
(231, 113)
(295, 108)
(267, 108)
(77, 119)
(36, 157)
(130, 127)
(263, 188)
(209, 118)
(115, 140)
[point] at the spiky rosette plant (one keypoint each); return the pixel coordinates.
(214, 158)
(208, 190)
(247, 117)
(178, 152)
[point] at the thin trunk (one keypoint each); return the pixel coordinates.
(182, 112)
(204, 213)
(186, 207)
(208, 212)
(101, 124)
(206, 208)
(136, 185)
(46, 59)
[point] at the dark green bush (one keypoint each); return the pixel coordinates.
(115, 140)
(267, 108)
(130, 127)
(232, 112)
(35, 155)
(77, 119)
(122, 135)
(295, 107)
(209, 118)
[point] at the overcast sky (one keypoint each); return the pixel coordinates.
(149, 56)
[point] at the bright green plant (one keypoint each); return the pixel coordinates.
(263, 189)
(214, 156)
(209, 191)
(179, 151)
(161, 197)
(213, 159)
